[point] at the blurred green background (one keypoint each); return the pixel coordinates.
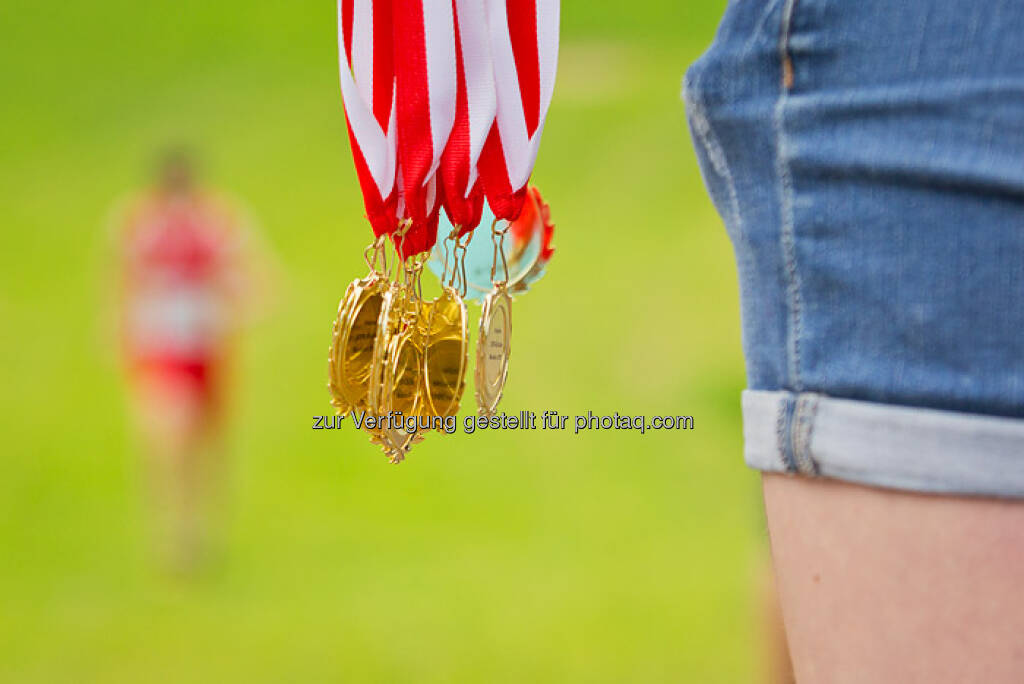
(525, 556)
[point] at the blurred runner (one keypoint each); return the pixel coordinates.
(182, 280)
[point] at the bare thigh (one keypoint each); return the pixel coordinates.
(885, 586)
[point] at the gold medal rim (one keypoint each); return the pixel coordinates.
(340, 402)
(394, 449)
(485, 400)
(348, 309)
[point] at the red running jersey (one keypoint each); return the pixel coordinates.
(179, 260)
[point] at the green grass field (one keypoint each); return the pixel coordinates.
(527, 556)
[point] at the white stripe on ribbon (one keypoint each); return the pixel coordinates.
(548, 17)
(439, 48)
(431, 195)
(520, 149)
(478, 71)
(431, 198)
(376, 145)
(362, 47)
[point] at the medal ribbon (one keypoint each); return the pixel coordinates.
(443, 98)
(425, 77)
(524, 50)
(475, 108)
(367, 77)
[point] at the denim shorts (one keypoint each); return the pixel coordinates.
(867, 159)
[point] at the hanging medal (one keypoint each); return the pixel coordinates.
(445, 102)
(388, 434)
(426, 83)
(367, 75)
(367, 86)
(446, 353)
(524, 52)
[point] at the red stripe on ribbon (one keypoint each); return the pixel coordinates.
(522, 29)
(346, 28)
(463, 205)
(505, 202)
(415, 147)
(426, 91)
(383, 63)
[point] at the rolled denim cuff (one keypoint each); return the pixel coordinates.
(884, 445)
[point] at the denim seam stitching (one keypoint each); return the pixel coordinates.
(810, 435)
(806, 412)
(716, 154)
(783, 433)
(794, 327)
(796, 433)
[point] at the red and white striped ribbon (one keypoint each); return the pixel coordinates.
(435, 106)
(366, 61)
(426, 83)
(524, 51)
(474, 115)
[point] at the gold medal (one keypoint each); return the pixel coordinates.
(493, 348)
(370, 316)
(350, 354)
(399, 307)
(391, 438)
(334, 353)
(446, 331)
(402, 371)
(446, 354)
(494, 342)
